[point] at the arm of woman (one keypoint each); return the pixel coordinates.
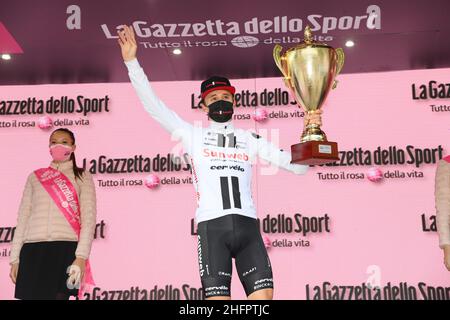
(22, 221)
(442, 201)
(88, 217)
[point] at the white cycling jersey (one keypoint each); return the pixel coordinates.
(221, 155)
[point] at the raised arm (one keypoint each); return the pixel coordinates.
(168, 119)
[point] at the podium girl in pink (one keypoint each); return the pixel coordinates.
(442, 200)
(55, 227)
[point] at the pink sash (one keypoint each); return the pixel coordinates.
(63, 193)
(447, 158)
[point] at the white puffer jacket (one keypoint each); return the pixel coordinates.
(40, 219)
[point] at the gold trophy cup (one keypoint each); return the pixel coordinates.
(309, 71)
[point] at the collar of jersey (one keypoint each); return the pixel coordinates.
(221, 126)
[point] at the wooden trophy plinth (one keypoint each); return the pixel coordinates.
(314, 152)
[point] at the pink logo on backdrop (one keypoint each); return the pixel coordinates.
(7, 42)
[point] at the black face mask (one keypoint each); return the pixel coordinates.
(221, 111)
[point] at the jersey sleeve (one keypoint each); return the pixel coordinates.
(276, 156)
(166, 117)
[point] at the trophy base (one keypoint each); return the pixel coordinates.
(314, 152)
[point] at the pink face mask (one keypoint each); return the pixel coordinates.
(60, 152)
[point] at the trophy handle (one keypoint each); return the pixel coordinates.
(277, 57)
(340, 60)
(339, 63)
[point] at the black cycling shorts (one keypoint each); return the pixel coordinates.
(232, 236)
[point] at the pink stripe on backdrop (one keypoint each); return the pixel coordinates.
(7, 42)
